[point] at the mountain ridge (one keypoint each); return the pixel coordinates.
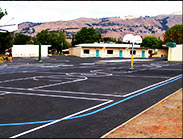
(115, 27)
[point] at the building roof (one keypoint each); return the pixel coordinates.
(30, 45)
(107, 45)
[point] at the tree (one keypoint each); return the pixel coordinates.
(58, 42)
(2, 13)
(86, 35)
(174, 34)
(109, 39)
(42, 37)
(55, 39)
(21, 39)
(6, 41)
(6, 38)
(151, 42)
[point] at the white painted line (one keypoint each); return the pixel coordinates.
(34, 78)
(55, 96)
(150, 86)
(68, 65)
(64, 92)
(135, 76)
(87, 64)
(50, 66)
(80, 93)
(3, 93)
(14, 88)
(50, 85)
(54, 122)
(19, 79)
(169, 69)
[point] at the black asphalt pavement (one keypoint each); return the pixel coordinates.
(79, 97)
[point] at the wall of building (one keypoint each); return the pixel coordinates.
(175, 54)
(79, 51)
(138, 53)
(160, 53)
(29, 50)
(92, 52)
(75, 51)
(115, 52)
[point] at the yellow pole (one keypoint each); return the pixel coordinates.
(10, 58)
(170, 53)
(132, 61)
(132, 56)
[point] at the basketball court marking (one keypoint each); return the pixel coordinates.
(48, 95)
(81, 75)
(62, 92)
(146, 88)
(126, 95)
(56, 121)
(101, 109)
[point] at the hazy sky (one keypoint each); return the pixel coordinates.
(43, 11)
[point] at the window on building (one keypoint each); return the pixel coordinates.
(86, 51)
(150, 51)
(134, 52)
(109, 51)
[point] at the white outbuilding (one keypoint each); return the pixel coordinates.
(175, 53)
(29, 50)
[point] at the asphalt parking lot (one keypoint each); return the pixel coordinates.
(70, 97)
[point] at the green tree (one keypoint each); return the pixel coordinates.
(42, 37)
(6, 41)
(2, 13)
(86, 35)
(174, 34)
(109, 39)
(57, 40)
(151, 42)
(21, 39)
(6, 38)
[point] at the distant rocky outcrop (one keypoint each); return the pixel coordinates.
(115, 27)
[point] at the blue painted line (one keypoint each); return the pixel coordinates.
(79, 116)
(96, 111)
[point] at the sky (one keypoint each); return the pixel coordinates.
(45, 11)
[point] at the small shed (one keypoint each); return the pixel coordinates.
(29, 50)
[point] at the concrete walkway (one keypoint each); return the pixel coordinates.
(162, 120)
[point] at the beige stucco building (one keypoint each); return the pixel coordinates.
(175, 53)
(105, 50)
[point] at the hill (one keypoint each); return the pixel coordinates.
(115, 27)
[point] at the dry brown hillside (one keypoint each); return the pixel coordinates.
(115, 27)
